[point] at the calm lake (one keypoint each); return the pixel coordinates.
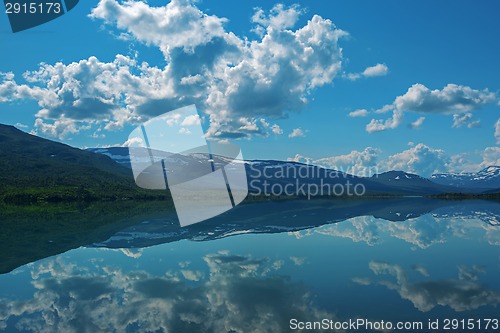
(272, 267)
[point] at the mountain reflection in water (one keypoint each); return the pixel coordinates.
(394, 260)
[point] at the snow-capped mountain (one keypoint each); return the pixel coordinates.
(408, 182)
(488, 178)
(262, 175)
(399, 177)
(118, 154)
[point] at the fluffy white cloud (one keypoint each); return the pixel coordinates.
(280, 18)
(61, 128)
(7, 87)
(420, 269)
(422, 231)
(184, 130)
(420, 159)
(464, 162)
(236, 81)
(191, 120)
(300, 159)
(459, 294)
(452, 99)
(243, 80)
(491, 156)
(470, 273)
(359, 229)
(353, 76)
(464, 119)
(360, 163)
(358, 113)
(376, 70)
(275, 75)
(276, 129)
(81, 93)
(298, 261)
(176, 25)
(136, 141)
(424, 160)
(377, 125)
(191, 275)
(109, 299)
(417, 123)
(132, 253)
(297, 133)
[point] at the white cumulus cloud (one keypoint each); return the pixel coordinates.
(296, 133)
(420, 159)
(376, 70)
(464, 119)
(191, 120)
(377, 125)
(276, 129)
(360, 163)
(491, 156)
(417, 123)
(457, 293)
(300, 159)
(279, 18)
(236, 81)
(452, 99)
(61, 128)
(133, 142)
(241, 79)
(358, 113)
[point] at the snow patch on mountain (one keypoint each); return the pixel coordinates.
(488, 178)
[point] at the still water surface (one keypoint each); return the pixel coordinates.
(258, 275)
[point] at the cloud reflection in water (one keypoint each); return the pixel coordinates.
(235, 294)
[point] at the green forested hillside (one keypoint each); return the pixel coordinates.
(34, 170)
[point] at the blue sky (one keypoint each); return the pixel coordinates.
(279, 79)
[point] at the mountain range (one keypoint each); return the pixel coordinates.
(37, 170)
(33, 169)
(287, 216)
(391, 182)
(33, 235)
(486, 178)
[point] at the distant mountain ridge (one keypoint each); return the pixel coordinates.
(272, 217)
(31, 167)
(118, 154)
(403, 180)
(282, 172)
(392, 182)
(487, 178)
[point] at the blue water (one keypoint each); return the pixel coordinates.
(430, 267)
